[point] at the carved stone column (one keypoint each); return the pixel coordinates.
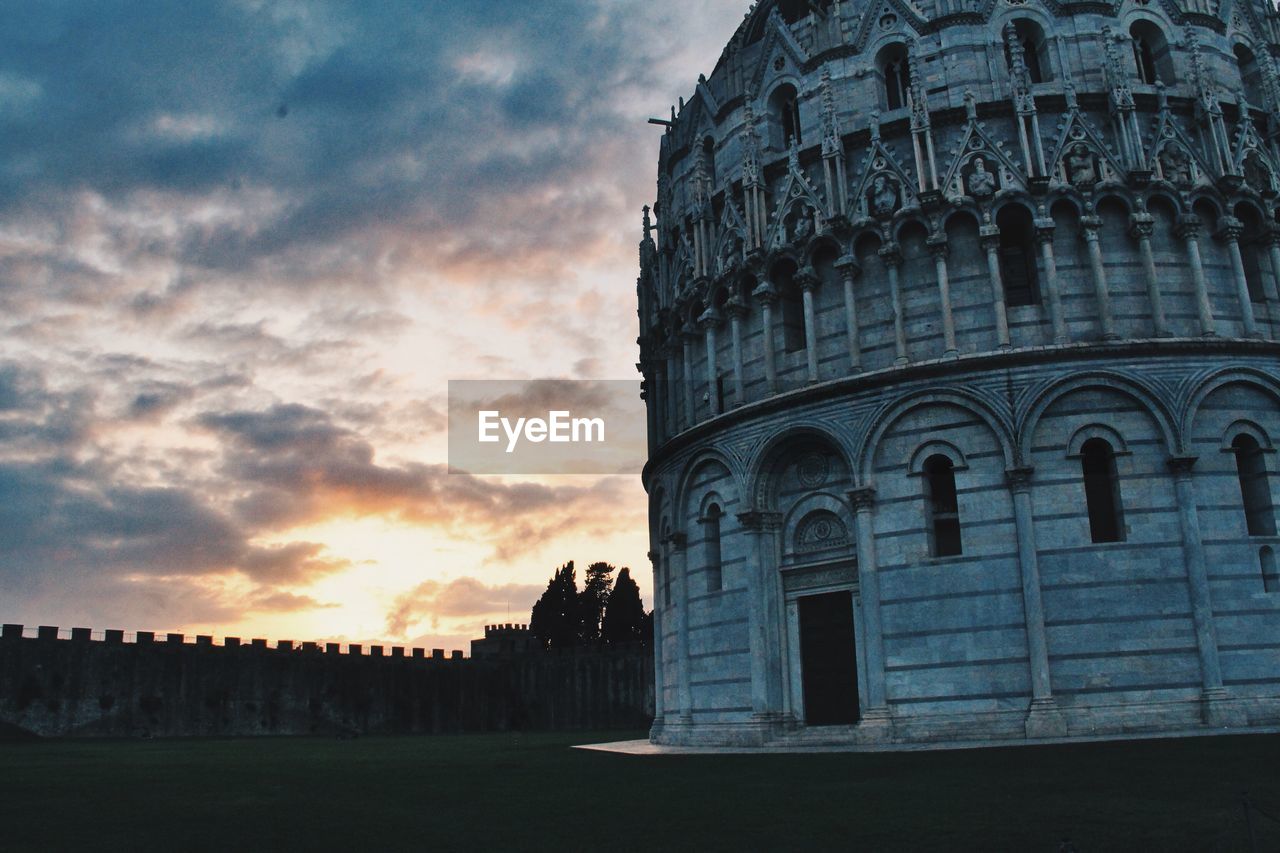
(767, 295)
(670, 385)
(1043, 718)
(938, 247)
(678, 557)
(863, 501)
(688, 334)
(763, 616)
(655, 557)
(808, 284)
(990, 237)
(709, 320)
(892, 257)
(1216, 710)
(1098, 269)
(1229, 234)
(849, 269)
(1188, 230)
(1272, 238)
(737, 311)
(1141, 227)
(1044, 236)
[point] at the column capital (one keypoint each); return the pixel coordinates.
(1188, 226)
(989, 236)
(807, 280)
(688, 332)
(759, 521)
(1230, 229)
(676, 541)
(1044, 228)
(1181, 465)
(1271, 235)
(765, 292)
(709, 319)
(1019, 479)
(1091, 223)
(848, 266)
(735, 307)
(863, 499)
(891, 254)
(1141, 226)
(938, 245)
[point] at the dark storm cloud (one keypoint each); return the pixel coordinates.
(350, 116)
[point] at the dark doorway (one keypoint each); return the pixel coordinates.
(828, 662)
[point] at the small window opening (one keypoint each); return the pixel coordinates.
(1255, 488)
(1102, 491)
(942, 507)
(711, 529)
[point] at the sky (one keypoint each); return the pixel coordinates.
(244, 245)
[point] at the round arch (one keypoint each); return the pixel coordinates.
(1047, 395)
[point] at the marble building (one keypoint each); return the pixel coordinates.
(958, 327)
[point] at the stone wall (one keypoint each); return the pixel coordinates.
(84, 687)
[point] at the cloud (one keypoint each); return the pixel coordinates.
(431, 601)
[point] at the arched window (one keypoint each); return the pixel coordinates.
(895, 72)
(942, 507)
(711, 537)
(1151, 53)
(1270, 576)
(1250, 74)
(1034, 53)
(1018, 256)
(1102, 491)
(1255, 489)
(784, 105)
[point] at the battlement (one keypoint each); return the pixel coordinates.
(50, 633)
(508, 630)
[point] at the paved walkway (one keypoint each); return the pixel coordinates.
(644, 747)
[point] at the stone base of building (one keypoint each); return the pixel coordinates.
(1044, 720)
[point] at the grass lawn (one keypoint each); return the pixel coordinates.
(521, 792)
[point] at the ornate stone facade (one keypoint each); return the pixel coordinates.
(965, 312)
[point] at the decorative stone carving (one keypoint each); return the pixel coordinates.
(884, 197)
(820, 531)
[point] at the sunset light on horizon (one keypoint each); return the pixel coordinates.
(243, 248)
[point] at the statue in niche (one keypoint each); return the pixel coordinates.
(800, 226)
(882, 198)
(731, 253)
(1256, 173)
(1082, 170)
(1175, 165)
(980, 183)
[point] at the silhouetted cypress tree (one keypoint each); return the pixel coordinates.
(556, 619)
(596, 588)
(624, 616)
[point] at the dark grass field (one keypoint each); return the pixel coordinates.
(531, 792)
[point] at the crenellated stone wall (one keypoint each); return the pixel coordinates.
(86, 687)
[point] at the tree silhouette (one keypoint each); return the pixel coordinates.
(596, 589)
(556, 619)
(624, 616)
